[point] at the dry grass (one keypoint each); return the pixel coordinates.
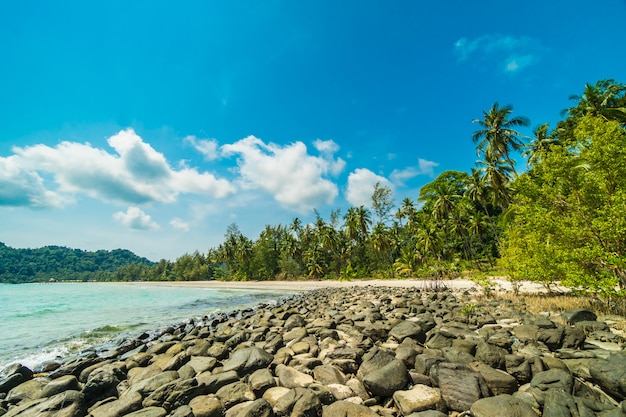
(556, 303)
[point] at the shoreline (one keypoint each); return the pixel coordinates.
(455, 285)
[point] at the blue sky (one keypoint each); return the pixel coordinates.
(153, 125)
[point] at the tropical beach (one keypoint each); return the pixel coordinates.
(343, 349)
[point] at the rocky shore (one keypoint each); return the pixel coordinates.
(345, 352)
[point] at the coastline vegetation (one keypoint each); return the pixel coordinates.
(559, 219)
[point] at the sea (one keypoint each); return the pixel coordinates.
(58, 321)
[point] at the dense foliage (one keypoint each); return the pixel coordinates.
(60, 263)
(560, 220)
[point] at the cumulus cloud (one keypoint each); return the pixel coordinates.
(135, 218)
(293, 177)
(136, 173)
(424, 167)
(361, 184)
(180, 224)
(207, 147)
(23, 187)
(511, 54)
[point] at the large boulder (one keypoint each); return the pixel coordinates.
(576, 315)
(610, 374)
(388, 379)
(408, 329)
(15, 375)
(66, 404)
(502, 405)
(460, 386)
(247, 360)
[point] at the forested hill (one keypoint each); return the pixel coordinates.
(61, 263)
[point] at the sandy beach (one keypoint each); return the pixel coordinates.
(456, 285)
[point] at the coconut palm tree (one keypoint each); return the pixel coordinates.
(497, 136)
(539, 144)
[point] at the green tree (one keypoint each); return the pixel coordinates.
(497, 136)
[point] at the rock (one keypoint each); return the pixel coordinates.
(206, 406)
(213, 382)
(30, 390)
(418, 398)
(124, 405)
(272, 395)
(65, 404)
(388, 379)
(174, 394)
(295, 320)
(202, 363)
(148, 386)
(289, 377)
(322, 392)
(610, 374)
(491, 355)
(408, 329)
(328, 374)
(257, 408)
(298, 402)
(260, 381)
(552, 338)
(518, 367)
(235, 393)
(460, 386)
(576, 315)
(101, 383)
(347, 409)
(553, 379)
(16, 374)
(247, 360)
(56, 386)
(499, 382)
(558, 403)
(340, 391)
(149, 412)
(501, 405)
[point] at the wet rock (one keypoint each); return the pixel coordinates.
(124, 405)
(16, 374)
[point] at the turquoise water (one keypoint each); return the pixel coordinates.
(40, 322)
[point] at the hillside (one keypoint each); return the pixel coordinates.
(61, 263)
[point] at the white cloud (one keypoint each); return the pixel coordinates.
(135, 218)
(361, 184)
(23, 187)
(207, 147)
(511, 54)
(135, 174)
(424, 167)
(180, 224)
(289, 173)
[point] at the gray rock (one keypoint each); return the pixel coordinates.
(553, 379)
(15, 375)
(460, 386)
(552, 338)
(491, 355)
(260, 381)
(577, 315)
(65, 404)
(501, 405)
(148, 386)
(257, 408)
(102, 383)
(31, 390)
(213, 382)
(328, 374)
(558, 403)
(235, 393)
(408, 329)
(149, 412)
(610, 374)
(298, 402)
(247, 360)
(348, 409)
(518, 367)
(388, 379)
(373, 360)
(206, 406)
(174, 394)
(499, 382)
(418, 398)
(289, 377)
(117, 408)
